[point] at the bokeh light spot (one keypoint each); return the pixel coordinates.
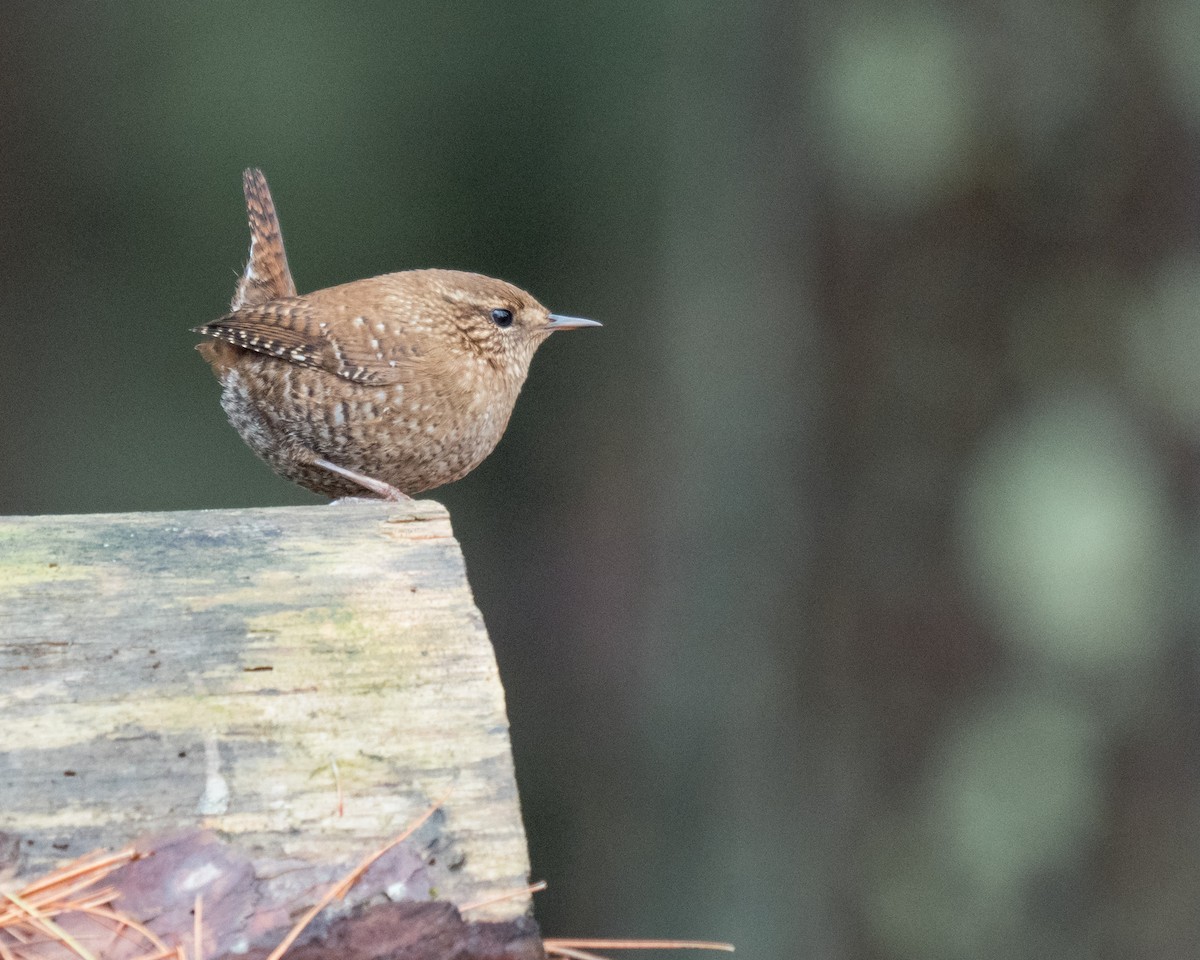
(898, 108)
(1065, 536)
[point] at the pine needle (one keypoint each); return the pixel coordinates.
(575, 947)
(340, 889)
(501, 897)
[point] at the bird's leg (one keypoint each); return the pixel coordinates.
(384, 490)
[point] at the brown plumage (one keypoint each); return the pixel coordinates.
(392, 385)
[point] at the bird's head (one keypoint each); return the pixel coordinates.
(493, 319)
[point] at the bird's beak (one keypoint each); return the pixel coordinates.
(558, 322)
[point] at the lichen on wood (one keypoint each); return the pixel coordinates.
(302, 680)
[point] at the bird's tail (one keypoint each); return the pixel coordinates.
(266, 276)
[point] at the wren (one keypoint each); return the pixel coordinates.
(390, 386)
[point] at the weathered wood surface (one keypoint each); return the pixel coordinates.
(231, 669)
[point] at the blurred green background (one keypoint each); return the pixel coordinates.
(844, 584)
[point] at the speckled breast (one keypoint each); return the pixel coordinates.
(413, 436)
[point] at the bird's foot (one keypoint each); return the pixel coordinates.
(382, 491)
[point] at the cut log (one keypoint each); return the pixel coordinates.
(302, 680)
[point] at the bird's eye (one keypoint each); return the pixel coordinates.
(502, 317)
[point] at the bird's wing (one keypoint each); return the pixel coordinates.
(266, 276)
(291, 330)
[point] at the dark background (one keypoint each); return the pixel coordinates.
(844, 584)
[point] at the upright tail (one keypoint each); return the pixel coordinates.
(267, 276)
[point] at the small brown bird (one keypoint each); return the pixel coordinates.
(392, 385)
